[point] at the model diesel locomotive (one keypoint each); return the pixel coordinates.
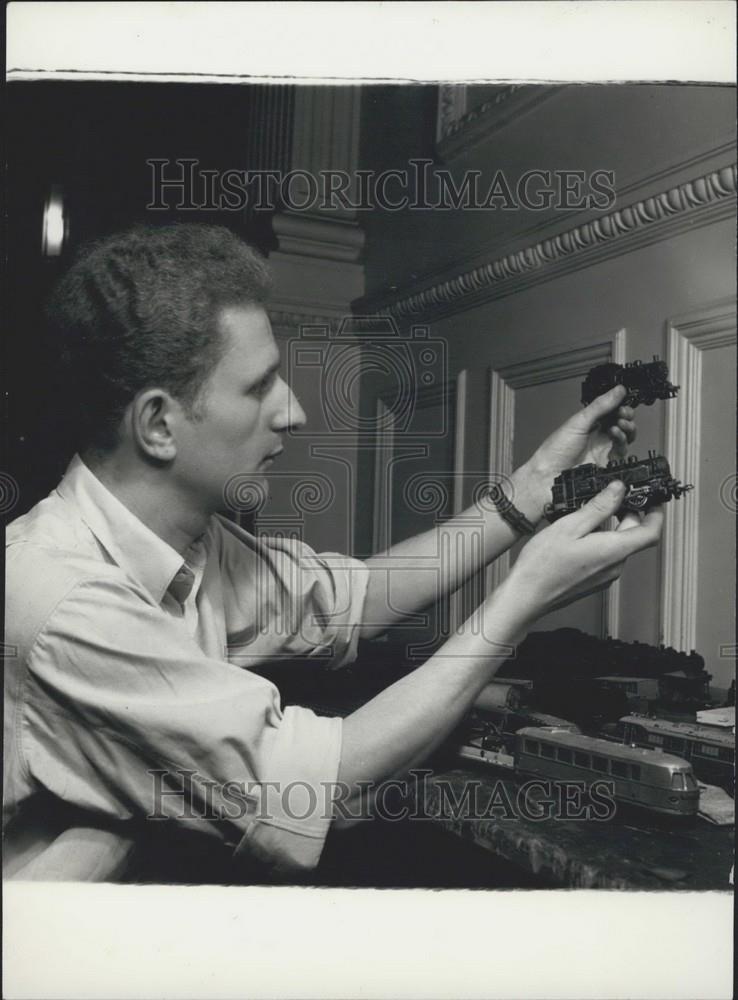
(648, 483)
(645, 383)
(645, 778)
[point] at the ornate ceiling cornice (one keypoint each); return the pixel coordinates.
(696, 202)
(459, 132)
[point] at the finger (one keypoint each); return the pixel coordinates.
(586, 420)
(630, 520)
(617, 434)
(596, 511)
(628, 427)
(626, 412)
(644, 535)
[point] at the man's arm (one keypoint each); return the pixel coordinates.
(570, 559)
(424, 569)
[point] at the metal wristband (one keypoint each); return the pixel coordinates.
(508, 511)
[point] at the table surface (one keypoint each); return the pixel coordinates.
(631, 851)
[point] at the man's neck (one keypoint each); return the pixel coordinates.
(154, 500)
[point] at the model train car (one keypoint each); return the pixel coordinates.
(642, 693)
(711, 752)
(498, 696)
(648, 482)
(645, 383)
(645, 778)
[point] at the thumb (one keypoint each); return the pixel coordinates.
(597, 510)
(603, 405)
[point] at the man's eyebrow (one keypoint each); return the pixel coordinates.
(271, 370)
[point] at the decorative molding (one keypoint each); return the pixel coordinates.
(453, 392)
(326, 133)
(500, 454)
(324, 237)
(382, 520)
(316, 261)
(697, 202)
(452, 98)
(460, 128)
(456, 600)
(688, 337)
(459, 440)
(568, 362)
(283, 320)
(268, 127)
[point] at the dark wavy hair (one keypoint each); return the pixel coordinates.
(140, 309)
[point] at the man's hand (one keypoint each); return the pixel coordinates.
(408, 720)
(572, 558)
(581, 439)
(399, 581)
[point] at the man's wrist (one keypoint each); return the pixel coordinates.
(529, 491)
(513, 605)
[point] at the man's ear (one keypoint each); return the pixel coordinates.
(152, 424)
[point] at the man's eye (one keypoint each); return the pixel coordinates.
(262, 388)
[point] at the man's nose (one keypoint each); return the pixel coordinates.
(290, 415)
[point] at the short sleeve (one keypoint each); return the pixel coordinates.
(124, 716)
(282, 598)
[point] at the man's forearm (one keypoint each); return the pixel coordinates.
(407, 720)
(568, 560)
(421, 570)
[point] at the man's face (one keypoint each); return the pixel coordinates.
(245, 409)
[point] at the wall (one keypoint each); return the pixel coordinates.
(649, 136)
(637, 292)
(540, 322)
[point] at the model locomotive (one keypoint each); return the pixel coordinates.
(648, 483)
(645, 383)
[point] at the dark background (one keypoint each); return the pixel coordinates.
(93, 141)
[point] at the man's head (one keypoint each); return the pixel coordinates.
(170, 355)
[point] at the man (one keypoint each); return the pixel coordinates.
(136, 609)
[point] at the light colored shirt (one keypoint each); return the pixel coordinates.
(128, 688)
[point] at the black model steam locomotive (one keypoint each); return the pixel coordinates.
(645, 383)
(648, 483)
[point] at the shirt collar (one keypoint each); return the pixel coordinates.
(135, 548)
